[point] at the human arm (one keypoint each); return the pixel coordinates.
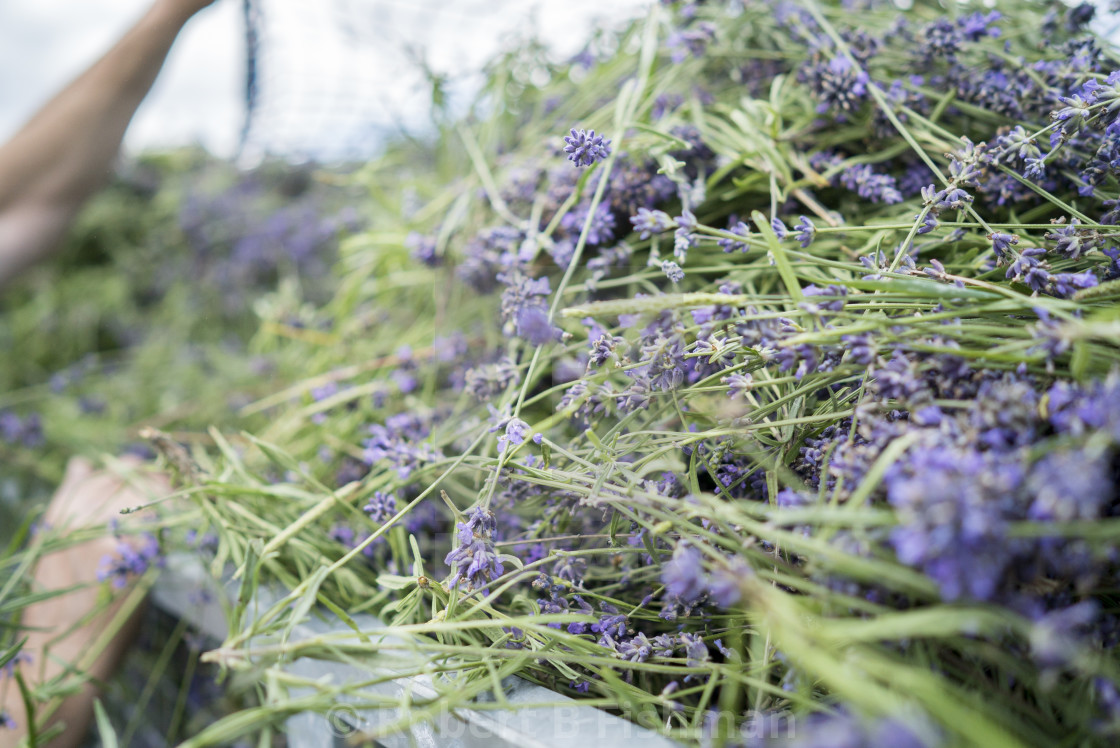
(75, 629)
(64, 152)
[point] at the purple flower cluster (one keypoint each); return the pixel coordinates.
(525, 309)
(26, 431)
(686, 580)
(131, 560)
(584, 147)
(475, 560)
(401, 442)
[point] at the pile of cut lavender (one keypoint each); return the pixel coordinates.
(753, 375)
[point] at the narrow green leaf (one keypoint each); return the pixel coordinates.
(781, 259)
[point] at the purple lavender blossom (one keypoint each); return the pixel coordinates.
(684, 237)
(345, 535)
(953, 507)
(1072, 241)
(724, 585)
(1068, 486)
(27, 431)
(1002, 243)
(806, 231)
(601, 230)
(533, 325)
(667, 364)
(475, 560)
(779, 227)
(672, 271)
(10, 666)
(830, 298)
(584, 147)
(637, 648)
(870, 185)
(488, 381)
(838, 84)
(423, 249)
(860, 348)
(650, 222)
(1065, 285)
(694, 649)
(401, 441)
(381, 506)
(692, 41)
(611, 626)
(604, 348)
(730, 245)
(130, 561)
(515, 432)
(738, 385)
(683, 575)
(1058, 638)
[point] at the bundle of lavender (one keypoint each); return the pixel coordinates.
(753, 375)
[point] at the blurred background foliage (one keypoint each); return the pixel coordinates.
(147, 315)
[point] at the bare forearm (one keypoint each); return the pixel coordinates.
(63, 154)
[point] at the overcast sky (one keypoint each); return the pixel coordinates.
(330, 50)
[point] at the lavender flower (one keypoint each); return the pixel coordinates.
(401, 442)
(610, 626)
(650, 222)
(683, 238)
(1072, 241)
(672, 271)
(515, 432)
(1069, 486)
(1058, 638)
(584, 147)
(130, 561)
(838, 84)
(604, 349)
(491, 380)
(1065, 285)
(475, 560)
(738, 385)
(724, 585)
(601, 229)
(779, 227)
(731, 245)
(683, 576)
(533, 325)
(10, 666)
(423, 249)
(666, 362)
(691, 41)
(1002, 243)
(26, 431)
(864, 181)
(1027, 260)
(637, 648)
(953, 509)
(381, 506)
(806, 231)
(829, 298)
(694, 649)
